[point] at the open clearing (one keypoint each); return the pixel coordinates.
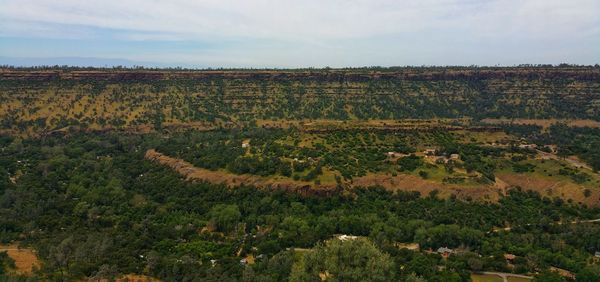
(486, 278)
(545, 123)
(137, 278)
(546, 186)
(499, 277)
(26, 259)
(190, 172)
(404, 182)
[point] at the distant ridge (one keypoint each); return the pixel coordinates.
(74, 61)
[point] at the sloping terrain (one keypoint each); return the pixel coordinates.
(98, 99)
(190, 172)
(403, 182)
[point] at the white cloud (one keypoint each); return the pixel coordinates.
(310, 19)
(317, 29)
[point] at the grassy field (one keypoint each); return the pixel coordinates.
(496, 278)
(545, 122)
(26, 259)
(546, 178)
(517, 279)
(364, 158)
(486, 278)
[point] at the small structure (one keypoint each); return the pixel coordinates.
(246, 144)
(445, 252)
(454, 156)
(597, 254)
(345, 237)
(247, 260)
(396, 155)
(528, 146)
(429, 152)
(510, 258)
(408, 246)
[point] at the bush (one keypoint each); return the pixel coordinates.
(410, 163)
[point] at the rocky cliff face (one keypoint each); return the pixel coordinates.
(57, 98)
(352, 75)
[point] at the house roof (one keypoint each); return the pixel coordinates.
(444, 250)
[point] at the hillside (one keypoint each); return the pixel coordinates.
(103, 98)
(447, 174)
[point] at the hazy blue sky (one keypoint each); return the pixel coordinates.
(281, 33)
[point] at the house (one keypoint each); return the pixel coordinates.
(510, 258)
(246, 144)
(445, 252)
(454, 156)
(247, 260)
(596, 257)
(429, 152)
(344, 237)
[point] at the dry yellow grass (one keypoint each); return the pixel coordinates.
(137, 278)
(190, 172)
(26, 259)
(552, 187)
(408, 182)
(546, 186)
(546, 122)
(486, 278)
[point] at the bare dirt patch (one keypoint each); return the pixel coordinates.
(545, 123)
(137, 278)
(552, 188)
(26, 259)
(407, 182)
(190, 172)
(401, 182)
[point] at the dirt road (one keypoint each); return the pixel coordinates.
(572, 161)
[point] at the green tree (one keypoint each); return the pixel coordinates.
(410, 163)
(548, 276)
(351, 260)
(225, 217)
(590, 273)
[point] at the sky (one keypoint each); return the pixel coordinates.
(301, 33)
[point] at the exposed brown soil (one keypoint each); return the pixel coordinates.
(26, 259)
(545, 123)
(137, 278)
(407, 182)
(402, 182)
(433, 74)
(190, 172)
(563, 189)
